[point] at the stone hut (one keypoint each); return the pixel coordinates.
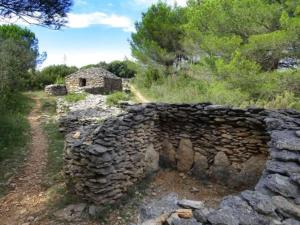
(94, 80)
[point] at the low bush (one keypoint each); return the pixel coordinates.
(75, 97)
(116, 97)
(55, 153)
(15, 135)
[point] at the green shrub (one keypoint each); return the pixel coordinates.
(14, 136)
(116, 97)
(55, 153)
(75, 97)
(60, 80)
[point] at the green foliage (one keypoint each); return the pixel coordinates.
(158, 36)
(75, 97)
(121, 69)
(55, 153)
(230, 53)
(116, 97)
(54, 74)
(15, 60)
(14, 136)
(46, 13)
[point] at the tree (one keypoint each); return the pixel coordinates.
(25, 37)
(15, 60)
(263, 31)
(121, 69)
(158, 36)
(49, 13)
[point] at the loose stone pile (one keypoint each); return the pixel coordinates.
(213, 142)
(91, 110)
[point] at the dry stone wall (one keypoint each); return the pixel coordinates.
(56, 89)
(213, 142)
(93, 81)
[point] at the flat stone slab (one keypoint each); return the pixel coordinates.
(286, 140)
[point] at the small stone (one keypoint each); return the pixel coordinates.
(184, 213)
(194, 190)
(77, 135)
(30, 218)
(298, 133)
(291, 222)
(189, 204)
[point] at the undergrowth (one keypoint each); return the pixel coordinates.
(14, 137)
(55, 153)
(117, 97)
(75, 97)
(274, 90)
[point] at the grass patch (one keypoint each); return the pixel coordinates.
(14, 138)
(55, 153)
(116, 97)
(75, 97)
(273, 91)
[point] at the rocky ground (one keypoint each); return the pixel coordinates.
(92, 110)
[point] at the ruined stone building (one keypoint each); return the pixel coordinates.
(94, 80)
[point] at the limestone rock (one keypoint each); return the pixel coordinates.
(285, 168)
(286, 140)
(221, 160)
(242, 211)
(200, 166)
(156, 208)
(286, 208)
(185, 155)
(189, 204)
(221, 169)
(260, 202)
(184, 213)
(282, 185)
(291, 222)
(72, 213)
(201, 214)
(223, 216)
(285, 155)
(152, 159)
(167, 155)
(180, 221)
(252, 170)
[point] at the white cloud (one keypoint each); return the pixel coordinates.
(98, 18)
(170, 2)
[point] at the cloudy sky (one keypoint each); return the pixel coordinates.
(97, 31)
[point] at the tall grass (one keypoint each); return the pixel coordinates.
(14, 136)
(275, 90)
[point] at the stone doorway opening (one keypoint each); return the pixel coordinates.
(82, 82)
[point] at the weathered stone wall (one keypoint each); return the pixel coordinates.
(228, 145)
(95, 80)
(56, 89)
(72, 82)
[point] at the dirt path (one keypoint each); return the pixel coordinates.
(138, 95)
(21, 205)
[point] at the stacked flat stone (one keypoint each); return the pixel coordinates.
(214, 142)
(56, 89)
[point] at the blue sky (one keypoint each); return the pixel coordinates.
(98, 30)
